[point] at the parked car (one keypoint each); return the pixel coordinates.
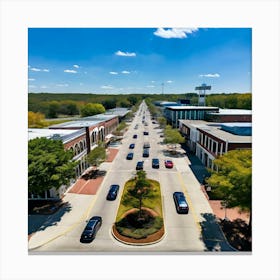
(146, 133)
(135, 136)
(155, 163)
(91, 229)
(140, 165)
(131, 146)
(168, 163)
(146, 153)
(129, 156)
(113, 192)
(180, 203)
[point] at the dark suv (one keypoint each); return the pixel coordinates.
(180, 203)
(91, 229)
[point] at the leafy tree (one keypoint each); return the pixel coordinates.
(173, 136)
(68, 108)
(53, 109)
(141, 189)
(91, 109)
(49, 165)
(35, 119)
(124, 103)
(97, 156)
(232, 181)
(162, 122)
(132, 99)
(109, 103)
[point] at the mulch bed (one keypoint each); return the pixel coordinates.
(149, 239)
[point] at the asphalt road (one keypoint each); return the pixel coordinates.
(183, 232)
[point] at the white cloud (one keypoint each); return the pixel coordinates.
(153, 81)
(43, 86)
(113, 73)
(70, 71)
(210, 75)
(32, 86)
(179, 33)
(81, 84)
(169, 82)
(120, 53)
(125, 72)
(35, 69)
(107, 87)
(150, 86)
(31, 79)
(62, 85)
(76, 66)
(38, 69)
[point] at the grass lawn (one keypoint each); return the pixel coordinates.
(153, 201)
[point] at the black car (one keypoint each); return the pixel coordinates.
(129, 156)
(140, 165)
(155, 163)
(146, 153)
(113, 192)
(131, 146)
(146, 133)
(135, 136)
(91, 229)
(180, 203)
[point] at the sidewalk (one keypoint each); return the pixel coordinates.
(78, 202)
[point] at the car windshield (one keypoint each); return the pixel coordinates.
(91, 225)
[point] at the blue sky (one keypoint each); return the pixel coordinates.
(139, 60)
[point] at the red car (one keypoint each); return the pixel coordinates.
(168, 163)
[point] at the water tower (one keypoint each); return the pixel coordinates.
(201, 93)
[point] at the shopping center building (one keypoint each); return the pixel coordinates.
(208, 140)
(81, 136)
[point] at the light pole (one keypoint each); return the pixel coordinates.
(224, 204)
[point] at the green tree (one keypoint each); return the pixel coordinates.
(49, 165)
(68, 107)
(232, 181)
(173, 136)
(141, 189)
(97, 156)
(91, 109)
(53, 109)
(162, 122)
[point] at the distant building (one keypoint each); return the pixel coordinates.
(209, 140)
(174, 113)
(230, 115)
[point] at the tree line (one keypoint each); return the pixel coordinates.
(54, 105)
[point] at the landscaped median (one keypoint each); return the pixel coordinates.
(139, 220)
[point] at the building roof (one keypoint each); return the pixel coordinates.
(232, 112)
(87, 121)
(192, 108)
(56, 134)
(216, 130)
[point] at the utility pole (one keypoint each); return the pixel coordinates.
(162, 88)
